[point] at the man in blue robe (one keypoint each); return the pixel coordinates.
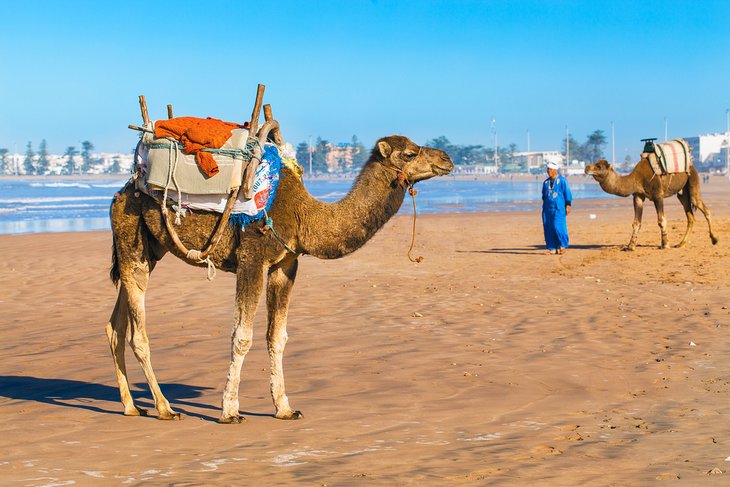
(556, 201)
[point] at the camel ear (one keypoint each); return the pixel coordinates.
(384, 148)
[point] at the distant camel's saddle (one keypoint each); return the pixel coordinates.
(668, 157)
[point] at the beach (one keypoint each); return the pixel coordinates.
(489, 363)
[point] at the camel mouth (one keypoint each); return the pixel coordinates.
(441, 170)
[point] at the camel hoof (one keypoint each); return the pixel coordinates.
(628, 249)
(294, 415)
(714, 240)
(170, 416)
(237, 419)
(136, 411)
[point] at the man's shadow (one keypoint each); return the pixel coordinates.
(85, 395)
(530, 249)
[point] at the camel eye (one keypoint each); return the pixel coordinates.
(409, 156)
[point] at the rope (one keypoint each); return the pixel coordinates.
(172, 165)
(195, 255)
(402, 180)
(412, 191)
(269, 225)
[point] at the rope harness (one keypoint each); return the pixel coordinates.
(269, 226)
(402, 180)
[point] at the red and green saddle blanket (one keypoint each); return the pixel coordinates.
(671, 157)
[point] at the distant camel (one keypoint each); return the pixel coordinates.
(304, 224)
(642, 183)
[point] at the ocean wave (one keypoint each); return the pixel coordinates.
(50, 207)
(61, 185)
(52, 199)
(115, 184)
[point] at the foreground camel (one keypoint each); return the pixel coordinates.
(642, 183)
(306, 225)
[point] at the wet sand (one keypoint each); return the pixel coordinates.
(489, 363)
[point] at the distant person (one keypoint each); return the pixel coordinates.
(556, 201)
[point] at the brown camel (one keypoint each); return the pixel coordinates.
(306, 225)
(642, 183)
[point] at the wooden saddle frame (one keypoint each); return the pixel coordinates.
(269, 130)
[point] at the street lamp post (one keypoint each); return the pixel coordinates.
(613, 145)
(310, 156)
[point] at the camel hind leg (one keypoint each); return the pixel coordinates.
(700, 205)
(695, 199)
(684, 198)
(133, 259)
(116, 332)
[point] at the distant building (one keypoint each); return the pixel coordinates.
(475, 169)
(534, 162)
(339, 157)
(710, 152)
(104, 163)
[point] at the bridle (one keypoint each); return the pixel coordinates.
(401, 180)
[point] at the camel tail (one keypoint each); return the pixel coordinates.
(114, 274)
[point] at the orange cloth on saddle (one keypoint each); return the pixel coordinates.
(196, 134)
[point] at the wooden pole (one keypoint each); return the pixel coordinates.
(276, 132)
(256, 109)
(250, 170)
(169, 111)
(143, 107)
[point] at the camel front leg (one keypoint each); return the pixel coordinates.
(249, 283)
(662, 220)
(636, 226)
(684, 198)
(279, 286)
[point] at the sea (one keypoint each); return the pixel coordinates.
(42, 205)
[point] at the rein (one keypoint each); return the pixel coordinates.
(402, 180)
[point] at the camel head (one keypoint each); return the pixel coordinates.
(599, 170)
(409, 161)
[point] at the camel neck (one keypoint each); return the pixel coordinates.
(619, 185)
(337, 229)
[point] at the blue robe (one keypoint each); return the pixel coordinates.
(554, 223)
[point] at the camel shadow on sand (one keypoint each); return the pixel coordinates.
(531, 249)
(86, 395)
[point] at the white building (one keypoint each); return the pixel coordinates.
(103, 163)
(710, 151)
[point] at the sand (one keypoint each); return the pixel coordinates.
(489, 363)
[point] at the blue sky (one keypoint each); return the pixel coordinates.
(72, 70)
